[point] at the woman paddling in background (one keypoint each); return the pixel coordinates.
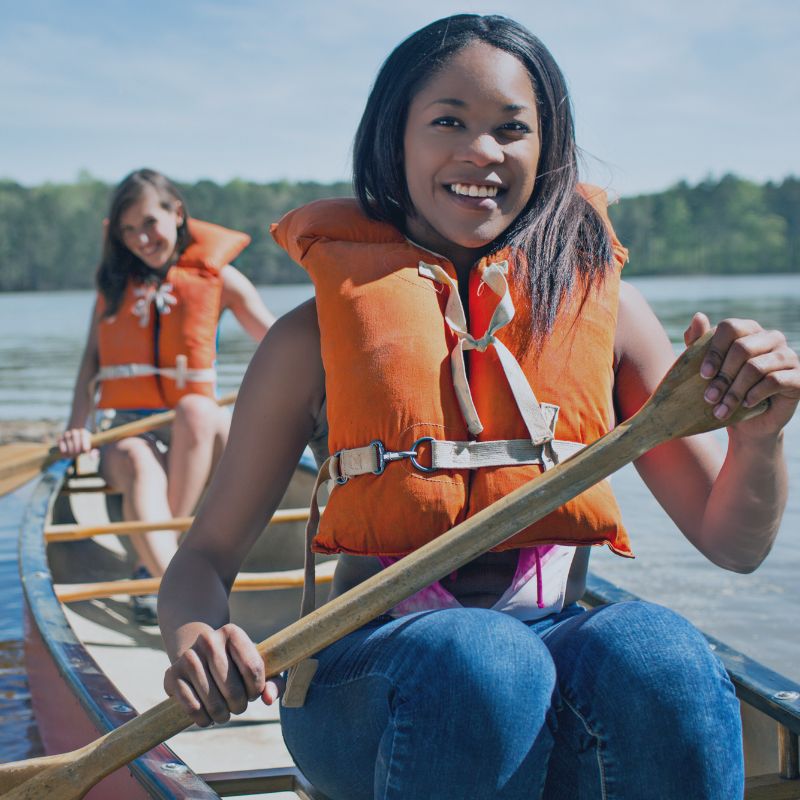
(493, 682)
(163, 281)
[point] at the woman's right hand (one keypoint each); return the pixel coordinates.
(74, 441)
(218, 675)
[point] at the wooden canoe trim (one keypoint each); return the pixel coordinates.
(71, 533)
(245, 582)
(771, 787)
(788, 753)
(262, 781)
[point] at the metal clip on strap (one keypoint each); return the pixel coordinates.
(373, 458)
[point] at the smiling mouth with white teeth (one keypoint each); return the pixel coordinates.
(473, 190)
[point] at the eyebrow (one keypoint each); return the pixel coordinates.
(454, 101)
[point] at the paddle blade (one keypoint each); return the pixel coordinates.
(21, 462)
(15, 773)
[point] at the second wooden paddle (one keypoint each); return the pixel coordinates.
(20, 463)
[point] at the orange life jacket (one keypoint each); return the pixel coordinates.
(161, 343)
(391, 378)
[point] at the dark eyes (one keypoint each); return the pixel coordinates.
(517, 127)
(447, 122)
(512, 128)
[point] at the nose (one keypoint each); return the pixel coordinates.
(483, 149)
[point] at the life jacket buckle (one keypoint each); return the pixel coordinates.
(385, 456)
(415, 451)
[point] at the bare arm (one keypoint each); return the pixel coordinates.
(241, 297)
(274, 418)
(76, 438)
(729, 507)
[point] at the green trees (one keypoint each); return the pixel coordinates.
(50, 235)
(717, 227)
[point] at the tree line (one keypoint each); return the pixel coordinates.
(50, 235)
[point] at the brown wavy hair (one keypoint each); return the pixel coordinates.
(118, 264)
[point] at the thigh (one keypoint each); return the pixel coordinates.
(129, 459)
(450, 703)
(646, 709)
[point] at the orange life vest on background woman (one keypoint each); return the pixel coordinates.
(400, 399)
(161, 343)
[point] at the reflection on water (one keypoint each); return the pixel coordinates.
(773, 300)
(18, 736)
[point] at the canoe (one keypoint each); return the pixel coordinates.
(91, 668)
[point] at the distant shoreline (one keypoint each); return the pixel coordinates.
(29, 430)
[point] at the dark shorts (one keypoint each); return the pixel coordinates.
(159, 438)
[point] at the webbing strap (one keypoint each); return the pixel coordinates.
(502, 453)
(179, 373)
(372, 458)
(309, 601)
(456, 319)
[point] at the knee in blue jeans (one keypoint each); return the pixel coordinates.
(651, 657)
(484, 660)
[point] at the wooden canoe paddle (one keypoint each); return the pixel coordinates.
(676, 408)
(21, 462)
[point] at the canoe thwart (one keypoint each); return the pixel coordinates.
(245, 582)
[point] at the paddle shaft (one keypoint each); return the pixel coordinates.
(676, 409)
(245, 582)
(47, 455)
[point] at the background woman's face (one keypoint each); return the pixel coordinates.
(471, 150)
(149, 230)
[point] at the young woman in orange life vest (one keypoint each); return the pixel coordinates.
(494, 684)
(163, 281)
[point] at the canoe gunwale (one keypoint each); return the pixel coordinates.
(159, 772)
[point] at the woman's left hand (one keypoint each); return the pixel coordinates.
(745, 365)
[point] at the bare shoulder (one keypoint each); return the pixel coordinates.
(234, 284)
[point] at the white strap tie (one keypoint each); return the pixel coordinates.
(158, 296)
(179, 373)
(494, 278)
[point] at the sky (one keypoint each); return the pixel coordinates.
(663, 90)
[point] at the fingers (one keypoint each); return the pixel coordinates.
(75, 441)
(273, 689)
(216, 676)
(697, 327)
(743, 365)
(248, 661)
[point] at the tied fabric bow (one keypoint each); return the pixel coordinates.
(158, 296)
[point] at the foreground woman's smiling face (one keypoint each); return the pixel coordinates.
(471, 149)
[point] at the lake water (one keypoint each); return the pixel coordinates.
(41, 339)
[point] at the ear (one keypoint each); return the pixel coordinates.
(180, 215)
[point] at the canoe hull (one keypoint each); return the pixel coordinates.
(62, 722)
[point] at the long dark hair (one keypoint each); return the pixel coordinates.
(558, 233)
(118, 264)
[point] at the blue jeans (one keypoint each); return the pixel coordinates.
(626, 702)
